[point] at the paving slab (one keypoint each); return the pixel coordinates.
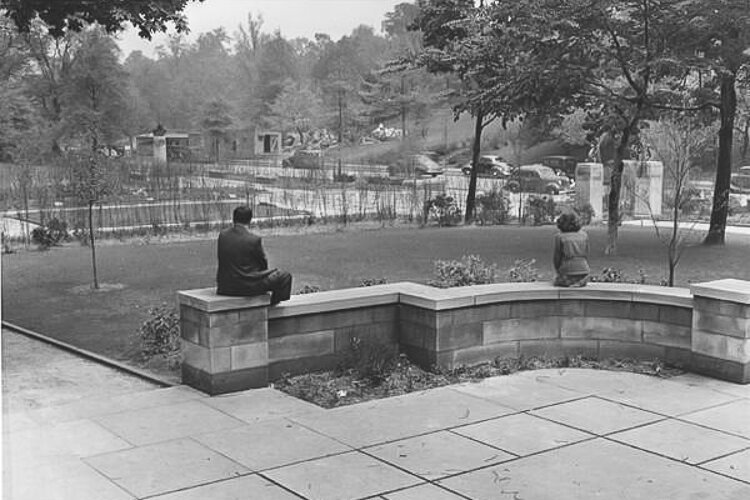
(17, 421)
(592, 382)
(682, 441)
(106, 404)
(80, 438)
(241, 488)
(522, 434)
(163, 423)
(271, 444)
(62, 480)
(165, 467)
(668, 398)
(596, 415)
(694, 380)
(261, 404)
(396, 418)
(736, 465)
(596, 469)
(342, 477)
(37, 375)
(437, 455)
(422, 492)
(522, 393)
(733, 417)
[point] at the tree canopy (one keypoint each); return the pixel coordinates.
(62, 15)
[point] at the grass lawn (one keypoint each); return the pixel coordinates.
(46, 291)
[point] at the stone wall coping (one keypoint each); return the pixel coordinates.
(206, 299)
(663, 295)
(441, 299)
(732, 290)
(336, 300)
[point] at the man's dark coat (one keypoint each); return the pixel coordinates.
(242, 263)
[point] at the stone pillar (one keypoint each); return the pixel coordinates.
(160, 149)
(224, 341)
(648, 188)
(721, 329)
(590, 187)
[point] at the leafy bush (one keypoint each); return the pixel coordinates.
(51, 234)
(470, 270)
(444, 209)
(493, 208)
(370, 360)
(373, 281)
(541, 210)
(308, 289)
(613, 275)
(523, 271)
(586, 214)
(160, 335)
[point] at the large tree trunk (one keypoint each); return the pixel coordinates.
(92, 241)
(720, 208)
(615, 187)
(475, 152)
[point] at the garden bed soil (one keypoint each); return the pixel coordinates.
(331, 389)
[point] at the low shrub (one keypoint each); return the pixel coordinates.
(369, 360)
(372, 281)
(160, 335)
(614, 275)
(541, 210)
(470, 270)
(51, 234)
(523, 271)
(308, 289)
(493, 208)
(443, 209)
(586, 214)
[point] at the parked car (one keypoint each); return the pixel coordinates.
(537, 179)
(415, 166)
(740, 183)
(304, 158)
(489, 166)
(562, 165)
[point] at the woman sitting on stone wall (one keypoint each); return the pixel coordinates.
(571, 251)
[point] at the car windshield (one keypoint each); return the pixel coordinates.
(425, 162)
(741, 181)
(546, 172)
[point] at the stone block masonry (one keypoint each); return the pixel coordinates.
(235, 343)
(720, 338)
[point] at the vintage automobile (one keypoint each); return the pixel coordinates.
(489, 166)
(562, 165)
(415, 166)
(304, 158)
(537, 179)
(739, 183)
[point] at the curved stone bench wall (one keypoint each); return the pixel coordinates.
(235, 343)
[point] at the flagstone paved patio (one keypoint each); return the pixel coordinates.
(549, 434)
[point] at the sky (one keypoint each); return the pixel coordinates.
(294, 18)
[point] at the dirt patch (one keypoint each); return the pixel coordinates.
(331, 389)
(103, 288)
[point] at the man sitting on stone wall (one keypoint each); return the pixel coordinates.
(243, 268)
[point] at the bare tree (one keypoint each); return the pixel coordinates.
(677, 141)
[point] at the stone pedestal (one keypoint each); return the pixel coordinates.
(590, 187)
(721, 329)
(160, 149)
(647, 186)
(224, 341)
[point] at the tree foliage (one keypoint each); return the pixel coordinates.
(712, 43)
(61, 16)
